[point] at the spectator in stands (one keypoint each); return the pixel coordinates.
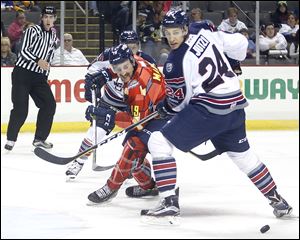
(281, 13)
(251, 45)
(93, 7)
(232, 24)
(7, 5)
(291, 33)
(24, 6)
(158, 13)
(120, 19)
(3, 32)
(15, 29)
(167, 6)
(72, 56)
(196, 15)
(289, 30)
(271, 40)
(8, 58)
(18, 44)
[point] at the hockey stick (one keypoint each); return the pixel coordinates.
(43, 154)
(205, 157)
(96, 167)
(94, 100)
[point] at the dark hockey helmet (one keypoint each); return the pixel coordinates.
(120, 54)
(49, 10)
(129, 37)
(175, 18)
(195, 27)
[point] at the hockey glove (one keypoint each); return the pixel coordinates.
(235, 65)
(105, 117)
(164, 110)
(97, 79)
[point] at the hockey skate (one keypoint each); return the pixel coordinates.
(104, 194)
(281, 207)
(167, 212)
(73, 170)
(9, 145)
(137, 192)
(42, 144)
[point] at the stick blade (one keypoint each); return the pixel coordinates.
(43, 154)
(102, 168)
(205, 157)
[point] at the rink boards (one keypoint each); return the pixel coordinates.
(272, 93)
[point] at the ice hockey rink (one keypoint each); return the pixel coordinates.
(217, 200)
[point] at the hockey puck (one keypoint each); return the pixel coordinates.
(265, 229)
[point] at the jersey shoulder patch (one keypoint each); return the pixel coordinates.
(173, 67)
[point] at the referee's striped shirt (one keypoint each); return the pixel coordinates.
(37, 44)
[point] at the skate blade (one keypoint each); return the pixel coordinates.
(93, 204)
(70, 178)
(5, 151)
(289, 217)
(163, 221)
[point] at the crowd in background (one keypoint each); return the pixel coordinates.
(280, 32)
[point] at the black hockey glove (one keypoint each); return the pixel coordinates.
(98, 79)
(235, 65)
(164, 110)
(105, 117)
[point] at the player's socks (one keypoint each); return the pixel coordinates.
(165, 173)
(262, 179)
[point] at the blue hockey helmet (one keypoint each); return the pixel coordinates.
(195, 27)
(129, 37)
(120, 54)
(175, 18)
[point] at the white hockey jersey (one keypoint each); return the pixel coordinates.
(199, 72)
(112, 92)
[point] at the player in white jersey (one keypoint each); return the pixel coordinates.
(205, 98)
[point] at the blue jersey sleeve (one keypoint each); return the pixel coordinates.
(147, 57)
(173, 71)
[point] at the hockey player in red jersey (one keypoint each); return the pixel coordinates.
(100, 74)
(144, 87)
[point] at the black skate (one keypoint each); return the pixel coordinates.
(9, 145)
(42, 144)
(104, 194)
(281, 207)
(137, 191)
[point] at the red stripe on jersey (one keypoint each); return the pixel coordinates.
(164, 166)
(175, 80)
(222, 101)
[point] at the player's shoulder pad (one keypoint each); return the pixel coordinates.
(143, 70)
(173, 67)
(146, 57)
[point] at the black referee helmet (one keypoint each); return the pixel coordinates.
(49, 10)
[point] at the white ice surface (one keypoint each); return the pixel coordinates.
(217, 200)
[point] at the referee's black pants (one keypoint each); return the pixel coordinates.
(25, 83)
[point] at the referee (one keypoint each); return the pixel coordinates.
(29, 77)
